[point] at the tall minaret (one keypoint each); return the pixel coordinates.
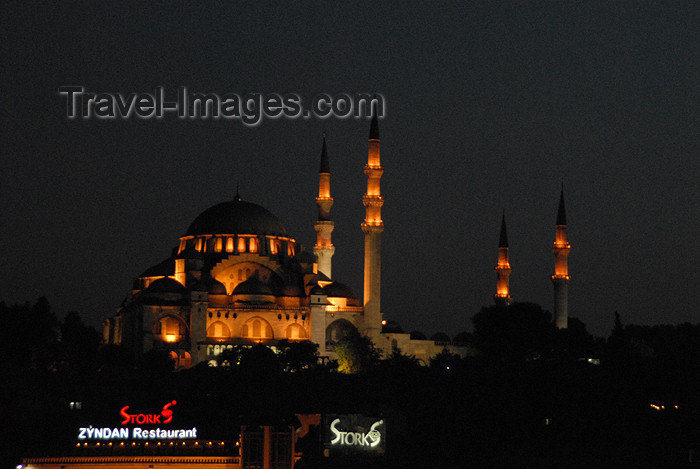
(324, 248)
(561, 277)
(373, 227)
(502, 296)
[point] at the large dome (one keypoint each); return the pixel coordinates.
(236, 217)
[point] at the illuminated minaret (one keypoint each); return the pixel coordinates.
(502, 296)
(561, 277)
(373, 227)
(324, 248)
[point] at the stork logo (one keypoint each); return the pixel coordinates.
(372, 438)
(164, 417)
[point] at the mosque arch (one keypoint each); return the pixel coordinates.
(338, 329)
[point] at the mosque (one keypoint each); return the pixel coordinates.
(238, 277)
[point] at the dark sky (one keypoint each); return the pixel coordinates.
(490, 105)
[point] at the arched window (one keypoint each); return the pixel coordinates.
(241, 244)
(257, 328)
(218, 245)
(229, 244)
(219, 331)
(253, 245)
(198, 245)
(169, 329)
(295, 332)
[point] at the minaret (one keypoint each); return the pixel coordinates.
(324, 248)
(502, 296)
(373, 227)
(561, 277)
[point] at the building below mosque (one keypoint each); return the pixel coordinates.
(238, 277)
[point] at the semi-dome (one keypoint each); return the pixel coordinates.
(236, 217)
(339, 290)
(291, 289)
(216, 288)
(165, 285)
(252, 286)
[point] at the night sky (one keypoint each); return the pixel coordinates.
(489, 105)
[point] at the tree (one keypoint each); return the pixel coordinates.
(79, 344)
(445, 360)
(400, 361)
(157, 362)
(297, 355)
(575, 341)
(517, 332)
(29, 335)
(355, 352)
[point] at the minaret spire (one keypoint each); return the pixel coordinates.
(324, 248)
(373, 227)
(561, 278)
(502, 296)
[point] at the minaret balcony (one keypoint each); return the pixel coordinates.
(374, 171)
(372, 200)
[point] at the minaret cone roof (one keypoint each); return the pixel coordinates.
(374, 127)
(561, 213)
(325, 165)
(503, 241)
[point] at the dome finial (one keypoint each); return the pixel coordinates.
(238, 197)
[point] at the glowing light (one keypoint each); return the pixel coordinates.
(170, 337)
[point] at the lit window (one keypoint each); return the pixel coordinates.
(257, 328)
(218, 330)
(296, 332)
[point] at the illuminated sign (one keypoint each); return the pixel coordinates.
(136, 433)
(354, 433)
(164, 417)
(141, 419)
(372, 438)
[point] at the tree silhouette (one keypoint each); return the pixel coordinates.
(297, 355)
(513, 333)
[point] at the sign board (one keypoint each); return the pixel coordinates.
(140, 426)
(354, 434)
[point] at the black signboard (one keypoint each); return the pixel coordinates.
(353, 434)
